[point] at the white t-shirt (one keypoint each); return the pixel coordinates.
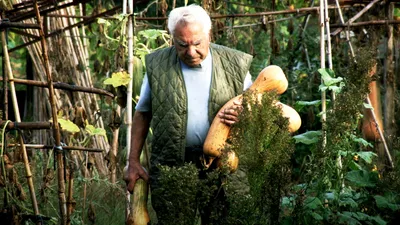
(197, 82)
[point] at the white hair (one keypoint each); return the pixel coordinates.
(189, 14)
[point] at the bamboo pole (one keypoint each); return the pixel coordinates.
(114, 151)
(6, 24)
(56, 128)
(358, 15)
(322, 62)
(63, 86)
(18, 119)
(70, 201)
(346, 31)
(388, 155)
(272, 41)
(39, 146)
(129, 8)
(27, 125)
(5, 92)
(367, 23)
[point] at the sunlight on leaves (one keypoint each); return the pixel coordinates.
(68, 125)
(95, 131)
(118, 79)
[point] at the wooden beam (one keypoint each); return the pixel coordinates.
(63, 86)
(38, 146)
(26, 125)
(7, 24)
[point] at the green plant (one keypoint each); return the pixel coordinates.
(341, 184)
(264, 146)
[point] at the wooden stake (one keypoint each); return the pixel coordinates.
(18, 119)
(56, 128)
(129, 8)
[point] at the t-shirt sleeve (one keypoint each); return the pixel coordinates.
(247, 81)
(144, 103)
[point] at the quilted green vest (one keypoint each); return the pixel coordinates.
(169, 100)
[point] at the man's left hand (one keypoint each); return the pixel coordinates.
(230, 114)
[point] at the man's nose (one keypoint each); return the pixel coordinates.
(191, 51)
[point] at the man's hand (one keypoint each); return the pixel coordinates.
(132, 173)
(229, 115)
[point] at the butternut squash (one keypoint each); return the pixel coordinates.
(138, 213)
(271, 78)
(229, 161)
(292, 115)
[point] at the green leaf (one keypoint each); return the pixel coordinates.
(301, 104)
(346, 218)
(361, 141)
(310, 137)
(151, 34)
(322, 87)
(68, 125)
(367, 156)
(378, 220)
(396, 12)
(316, 216)
(327, 76)
(95, 131)
(361, 216)
(348, 202)
(118, 79)
(360, 178)
(312, 202)
(383, 202)
(354, 166)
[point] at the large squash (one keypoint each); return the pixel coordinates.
(138, 213)
(270, 78)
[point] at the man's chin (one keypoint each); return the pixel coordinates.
(193, 63)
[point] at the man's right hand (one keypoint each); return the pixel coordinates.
(132, 173)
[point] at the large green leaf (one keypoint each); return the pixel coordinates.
(68, 125)
(312, 202)
(361, 178)
(328, 78)
(347, 218)
(361, 141)
(310, 137)
(329, 81)
(378, 220)
(118, 79)
(367, 156)
(383, 202)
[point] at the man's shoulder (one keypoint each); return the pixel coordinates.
(160, 55)
(162, 51)
(227, 52)
(221, 48)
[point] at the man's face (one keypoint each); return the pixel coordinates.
(191, 43)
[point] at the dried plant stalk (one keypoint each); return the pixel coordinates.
(18, 119)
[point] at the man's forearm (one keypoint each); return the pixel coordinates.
(140, 129)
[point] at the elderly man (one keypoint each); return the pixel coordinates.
(184, 88)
